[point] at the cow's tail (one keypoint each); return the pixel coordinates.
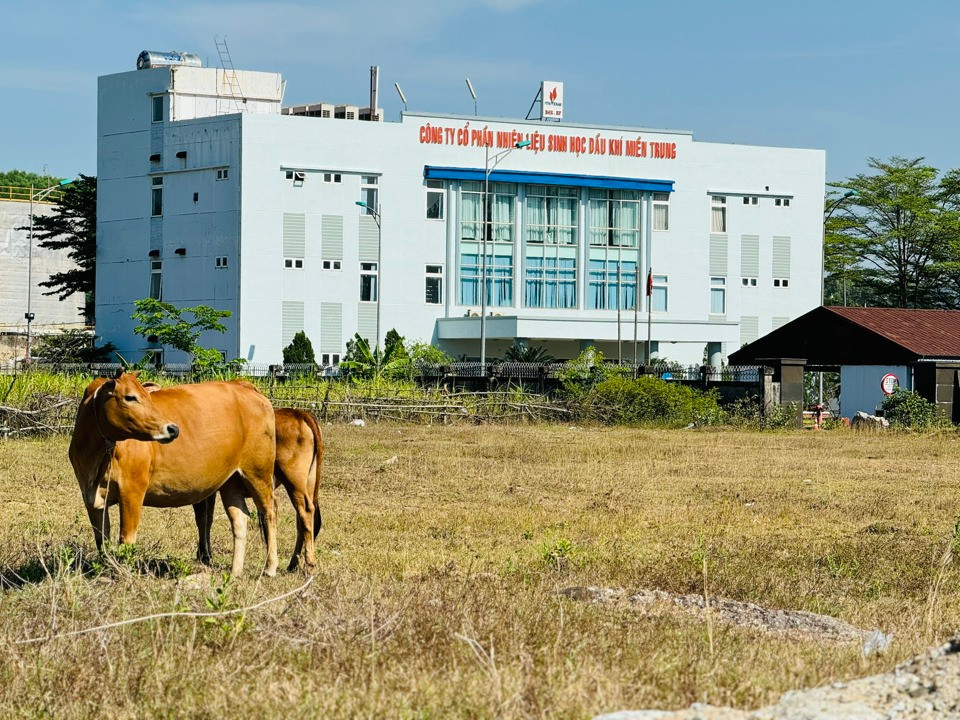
(317, 468)
(262, 519)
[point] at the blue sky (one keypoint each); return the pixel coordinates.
(859, 79)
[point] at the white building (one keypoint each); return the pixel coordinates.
(23, 267)
(211, 193)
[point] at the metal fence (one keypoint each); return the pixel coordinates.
(521, 371)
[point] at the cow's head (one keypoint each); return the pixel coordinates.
(125, 411)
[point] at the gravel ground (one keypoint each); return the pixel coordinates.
(928, 686)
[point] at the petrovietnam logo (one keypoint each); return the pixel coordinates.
(553, 94)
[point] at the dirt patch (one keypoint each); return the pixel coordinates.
(796, 624)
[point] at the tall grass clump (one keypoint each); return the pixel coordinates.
(29, 390)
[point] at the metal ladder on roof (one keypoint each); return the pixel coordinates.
(229, 83)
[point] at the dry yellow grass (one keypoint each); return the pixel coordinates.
(434, 595)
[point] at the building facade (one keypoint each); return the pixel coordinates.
(210, 192)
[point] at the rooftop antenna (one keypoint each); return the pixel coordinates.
(473, 95)
(374, 90)
(403, 98)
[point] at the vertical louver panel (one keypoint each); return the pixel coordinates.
(781, 257)
(331, 327)
(750, 255)
(331, 232)
(369, 238)
(749, 329)
(294, 235)
(718, 255)
(291, 321)
(779, 322)
(367, 322)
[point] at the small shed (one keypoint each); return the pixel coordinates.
(921, 348)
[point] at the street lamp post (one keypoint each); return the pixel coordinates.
(29, 315)
(827, 213)
(376, 218)
(487, 169)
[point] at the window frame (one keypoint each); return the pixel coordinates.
(749, 281)
(221, 262)
(332, 265)
(330, 359)
(156, 103)
(223, 174)
(718, 287)
(751, 200)
(781, 202)
(435, 187)
(292, 263)
(718, 202)
(156, 196)
(660, 282)
(156, 271)
(372, 275)
(659, 199)
(369, 194)
(437, 276)
(781, 283)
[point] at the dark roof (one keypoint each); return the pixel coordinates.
(860, 336)
(928, 333)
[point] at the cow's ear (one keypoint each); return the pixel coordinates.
(108, 387)
(118, 373)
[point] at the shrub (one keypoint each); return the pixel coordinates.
(649, 401)
(907, 409)
(72, 346)
(299, 351)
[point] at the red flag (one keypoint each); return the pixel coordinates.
(650, 283)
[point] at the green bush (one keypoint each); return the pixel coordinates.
(619, 400)
(907, 409)
(299, 351)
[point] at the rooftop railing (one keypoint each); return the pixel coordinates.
(18, 193)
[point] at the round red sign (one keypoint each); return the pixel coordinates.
(889, 383)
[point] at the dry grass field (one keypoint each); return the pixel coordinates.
(435, 593)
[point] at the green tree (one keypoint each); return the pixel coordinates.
(299, 351)
(897, 242)
(73, 227)
(26, 179)
(166, 323)
(366, 364)
(532, 354)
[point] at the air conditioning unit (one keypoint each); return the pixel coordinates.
(346, 112)
(377, 116)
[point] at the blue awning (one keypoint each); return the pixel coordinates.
(433, 172)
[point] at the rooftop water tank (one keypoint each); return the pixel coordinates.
(151, 59)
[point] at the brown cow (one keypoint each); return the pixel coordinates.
(123, 450)
(299, 459)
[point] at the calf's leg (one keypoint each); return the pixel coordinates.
(203, 514)
(231, 495)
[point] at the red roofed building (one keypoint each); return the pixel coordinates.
(920, 347)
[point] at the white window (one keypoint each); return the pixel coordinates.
(331, 264)
(749, 281)
(157, 103)
(434, 285)
(751, 200)
(781, 282)
(368, 194)
(329, 359)
(782, 202)
(434, 199)
(332, 177)
(659, 293)
(156, 197)
(368, 281)
(718, 296)
(661, 211)
(223, 173)
(718, 214)
(221, 261)
(156, 279)
(294, 263)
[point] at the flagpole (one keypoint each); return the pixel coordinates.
(619, 342)
(649, 312)
(636, 313)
